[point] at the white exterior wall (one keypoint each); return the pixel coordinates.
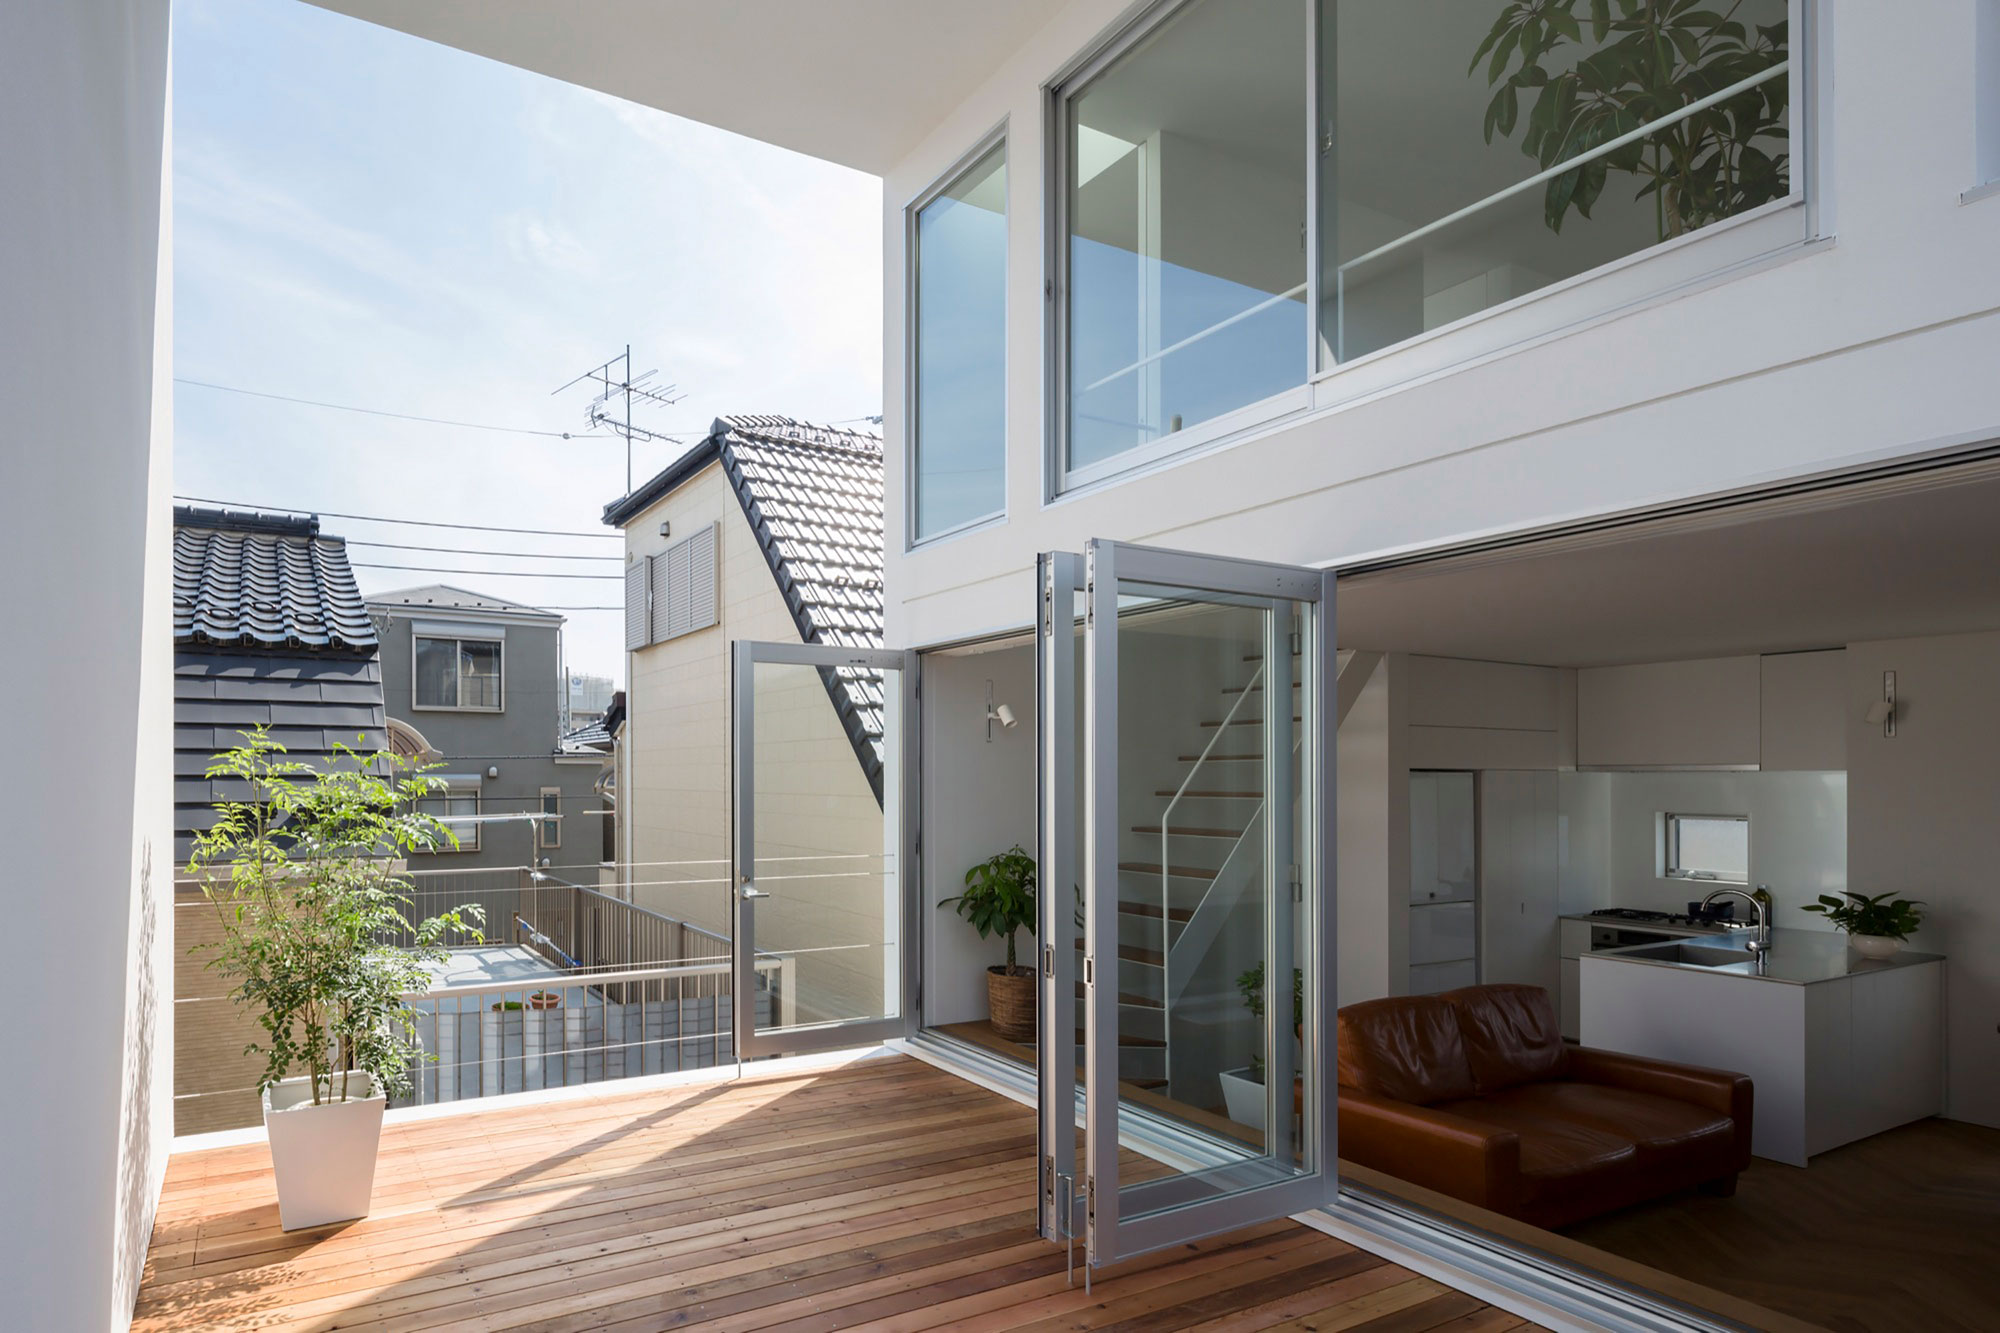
(675, 799)
(1865, 331)
(85, 522)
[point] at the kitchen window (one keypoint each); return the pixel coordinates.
(457, 673)
(1707, 847)
(1253, 194)
(958, 348)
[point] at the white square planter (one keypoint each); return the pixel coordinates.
(323, 1156)
(1243, 1097)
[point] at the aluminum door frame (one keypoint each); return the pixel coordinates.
(1110, 1238)
(1059, 578)
(745, 654)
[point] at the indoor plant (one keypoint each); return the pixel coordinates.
(1876, 927)
(1243, 1089)
(304, 879)
(999, 899)
(1642, 60)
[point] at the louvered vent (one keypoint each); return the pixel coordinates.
(684, 586)
(638, 623)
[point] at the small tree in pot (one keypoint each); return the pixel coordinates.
(999, 899)
(305, 881)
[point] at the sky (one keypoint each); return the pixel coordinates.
(365, 218)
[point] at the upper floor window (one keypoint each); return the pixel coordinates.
(458, 673)
(1254, 192)
(958, 370)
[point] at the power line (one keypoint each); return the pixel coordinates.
(378, 412)
(409, 522)
(490, 573)
(470, 550)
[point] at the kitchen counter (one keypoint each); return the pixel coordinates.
(1796, 957)
(1839, 1046)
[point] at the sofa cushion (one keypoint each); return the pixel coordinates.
(1511, 1035)
(1664, 1131)
(1555, 1151)
(1407, 1048)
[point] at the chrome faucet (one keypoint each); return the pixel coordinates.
(1761, 945)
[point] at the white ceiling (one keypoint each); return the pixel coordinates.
(857, 82)
(1918, 555)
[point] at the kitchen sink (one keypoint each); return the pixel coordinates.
(1688, 953)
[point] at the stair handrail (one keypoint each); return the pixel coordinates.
(1167, 865)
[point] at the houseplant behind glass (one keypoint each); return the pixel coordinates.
(1876, 927)
(1243, 1089)
(305, 883)
(999, 899)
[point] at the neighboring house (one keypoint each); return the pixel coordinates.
(767, 529)
(600, 736)
(269, 630)
(474, 685)
(589, 697)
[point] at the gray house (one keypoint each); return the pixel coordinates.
(269, 629)
(474, 685)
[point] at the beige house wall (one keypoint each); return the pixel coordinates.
(215, 1083)
(815, 807)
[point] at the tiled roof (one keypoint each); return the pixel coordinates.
(264, 581)
(588, 738)
(444, 597)
(813, 496)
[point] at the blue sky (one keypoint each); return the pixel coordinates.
(362, 217)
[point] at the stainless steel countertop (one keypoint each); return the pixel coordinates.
(1797, 957)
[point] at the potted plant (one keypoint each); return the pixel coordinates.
(1876, 927)
(999, 899)
(304, 876)
(1243, 1089)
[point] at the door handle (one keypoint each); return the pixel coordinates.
(751, 893)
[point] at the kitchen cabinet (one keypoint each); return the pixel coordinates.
(1803, 713)
(1701, 714)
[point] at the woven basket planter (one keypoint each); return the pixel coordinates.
(1010, 996)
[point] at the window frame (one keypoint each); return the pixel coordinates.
(499, 642)
(1670, 842)
(459, 790)
(1324, 390)
(996, 137)
(550, 822)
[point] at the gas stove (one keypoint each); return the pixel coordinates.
(1712, 920)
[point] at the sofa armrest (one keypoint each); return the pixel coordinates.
(1434, 1149)
(1716, 1090)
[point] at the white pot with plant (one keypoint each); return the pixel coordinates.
(1243, 1089)
(1876, 927)
(999, 899)
(305, 879)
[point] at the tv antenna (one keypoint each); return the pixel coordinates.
(622, 383)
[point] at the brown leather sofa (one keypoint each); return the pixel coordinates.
(1475, 1094)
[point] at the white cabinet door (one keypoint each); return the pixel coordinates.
(1436, 978)
(1805, 711)
(1670, 715)
(1442, 934)
(1443, 867)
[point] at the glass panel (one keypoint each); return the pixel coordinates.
(827, 930)
(1712, 847)
(478, 675)
(1187, 210)
(1206, 916)
(437, 673)
(960, 441)
(551, 828)
(1410, 138)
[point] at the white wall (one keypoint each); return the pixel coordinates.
(1924, 825)
(979, 799)
(1798, 837)
(1817, 357)
(85, 523)
(1373, 874)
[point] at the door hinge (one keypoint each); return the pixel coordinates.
(1298, 881)
(1298, 645)
(1049, 961)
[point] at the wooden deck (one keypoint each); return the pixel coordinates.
(884, 1194)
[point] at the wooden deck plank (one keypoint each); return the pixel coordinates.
(885, 1194)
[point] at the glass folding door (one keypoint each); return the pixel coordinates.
(1187, 974)
(822, 846)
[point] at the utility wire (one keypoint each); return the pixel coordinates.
(410, 522)
(377, 412)
(470, 550)
(489, 573)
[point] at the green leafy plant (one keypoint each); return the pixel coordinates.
(1251, 986)
(1883, 914)
(304, 878)
(1643, 59)
(999, 897)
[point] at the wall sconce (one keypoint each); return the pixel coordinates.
(1882, 712)
(1001, 714)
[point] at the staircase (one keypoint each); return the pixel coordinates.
(1182, 873)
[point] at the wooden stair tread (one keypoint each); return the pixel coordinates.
(1130, 1043)
(1245, 722)
(1179, 915)
(1190, 832)
(1255, 689)
(1195, 758)
(1133, 953)
(1178, 872)
(1126, 999)
(1215, 794)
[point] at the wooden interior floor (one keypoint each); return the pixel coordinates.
(883, 1194)
(1899, 1233)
